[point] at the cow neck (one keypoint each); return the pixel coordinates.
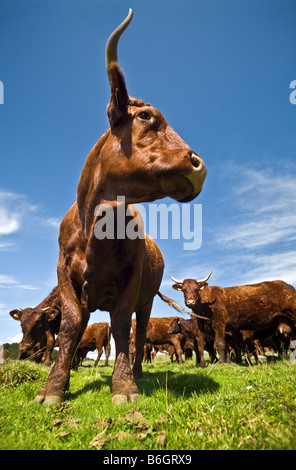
(89, 191)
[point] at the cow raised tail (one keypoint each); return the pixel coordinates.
(172, 303)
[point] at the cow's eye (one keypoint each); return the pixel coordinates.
(144, 115)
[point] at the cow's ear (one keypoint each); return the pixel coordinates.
(119, 100)
(52, 315)
(177, 287)
(203, 285)
(15, 314)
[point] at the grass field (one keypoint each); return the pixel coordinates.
(221, 406)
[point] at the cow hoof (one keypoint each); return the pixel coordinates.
(119, 399)
(48, 400)
(52, 400)
(39, 399)
(134, 397)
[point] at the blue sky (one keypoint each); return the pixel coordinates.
(218, 71)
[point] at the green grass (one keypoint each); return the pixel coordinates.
(221, 406)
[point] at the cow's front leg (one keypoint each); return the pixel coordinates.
(143, 316)
(75, 316)
(220, 342)
(72, 327)
(49, 348)
(124, 388)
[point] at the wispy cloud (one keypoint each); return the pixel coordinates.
(261, 231)
(256, 240)
(3, 310)
(18, 214)
(265, 267)
(265, 210)
(9, 282)
(13, 207)
(7, 246)
(14, 339)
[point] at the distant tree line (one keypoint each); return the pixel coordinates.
(13, 351)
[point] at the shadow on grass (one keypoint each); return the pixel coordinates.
(92, 385)
(180, 385)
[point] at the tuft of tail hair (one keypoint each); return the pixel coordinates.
(178, 307)
(172, 303)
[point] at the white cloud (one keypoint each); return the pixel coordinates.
(265, 210)
(6, 246)
(250, 268)
(270, 267)
(18, 214)
(9, 222)
(9, 282)
(13, 209)
(15, 339)
(53, 222)
(261, 231)
(3, 310)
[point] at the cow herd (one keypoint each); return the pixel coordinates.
(270, 325)
(140, 158)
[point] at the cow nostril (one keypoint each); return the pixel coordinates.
(195, 160)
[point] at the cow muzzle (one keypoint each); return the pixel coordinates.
(196, 177)
(24, 354)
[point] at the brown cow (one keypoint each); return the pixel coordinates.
(157, 334)
(250, 307)
(95, 337)
(141, 158)
(277, 338)
(39, 326)
(3, 355)
(189, 328)
(167, 349)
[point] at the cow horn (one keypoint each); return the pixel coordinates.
(46, 308)
(175, 280)
(206, 278)
(111, 47)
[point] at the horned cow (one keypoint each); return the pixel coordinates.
(141, 158)
(39, 326)
(270, 304)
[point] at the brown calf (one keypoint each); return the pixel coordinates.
(157, 334)
(95, 337)
(190, 329)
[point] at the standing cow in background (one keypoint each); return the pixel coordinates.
(141, 159)
(95, 337)
(250, 307)
(190, 329)
(157, 334)
(39, 326)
